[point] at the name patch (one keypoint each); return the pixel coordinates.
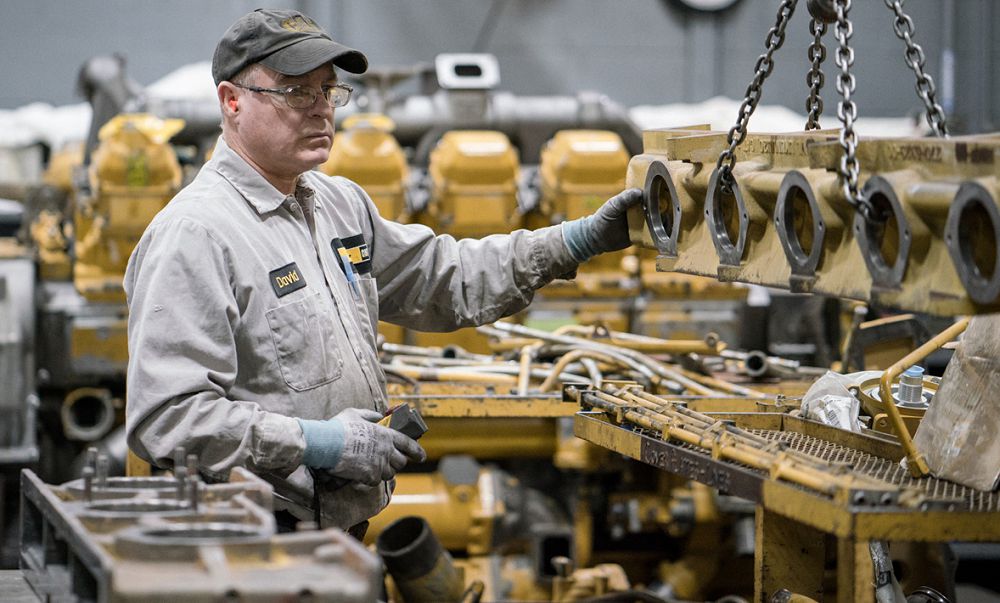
(286, 279)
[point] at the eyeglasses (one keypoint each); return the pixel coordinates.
(303, 97)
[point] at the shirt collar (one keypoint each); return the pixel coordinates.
(258, 192)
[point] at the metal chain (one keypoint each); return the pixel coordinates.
(847, 111)
(815, 78)
(914, 55)
(762, 69)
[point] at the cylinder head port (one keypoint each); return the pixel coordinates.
(799, 218)
(972, 235)
(663, 209)
(800, 224)
(728, 219)
(884, 237)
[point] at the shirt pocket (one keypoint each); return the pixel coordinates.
(303, 339)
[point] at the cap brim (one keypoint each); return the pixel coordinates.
(302, 57)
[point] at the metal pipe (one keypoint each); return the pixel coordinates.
(709, 346)
(594, 372)
(916, 462)
(420, 567)
(638, 359)
(566, 359)
(87, 414)
(524, 374)
(719, 384)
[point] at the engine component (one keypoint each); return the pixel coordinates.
(107, 538)
(785, 202)
(474, 185)
(87, 414)
(421, 569)
(579, 171)
(133, 174)
(365, 151)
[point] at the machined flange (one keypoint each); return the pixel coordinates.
(663, 210)
(717, 214)
(874, 235)
(972, 234)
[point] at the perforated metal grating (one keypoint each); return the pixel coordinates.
(957, 497)
(936, 490)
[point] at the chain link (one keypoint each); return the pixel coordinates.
(914, 55)
(762, 69)
(815, 78)
(847, 112)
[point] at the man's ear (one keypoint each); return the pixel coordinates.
(229, 99)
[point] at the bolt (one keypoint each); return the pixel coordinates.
(88, 483)
(563, 566)
(91, 459)
(180, 472)
(102, 471)
(193, 493)
(178, 456)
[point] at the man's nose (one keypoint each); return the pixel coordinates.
(321, 107)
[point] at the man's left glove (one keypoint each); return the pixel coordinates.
(605, 230)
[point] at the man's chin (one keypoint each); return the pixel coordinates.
(315, 157)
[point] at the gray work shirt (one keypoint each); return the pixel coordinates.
(248, 307)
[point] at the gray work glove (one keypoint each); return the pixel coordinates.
(352, 446)
(605, 230)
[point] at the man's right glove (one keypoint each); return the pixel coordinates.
(353, 447)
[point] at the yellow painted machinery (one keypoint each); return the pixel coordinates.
(81, 247)
(474, 185)
(520, 503)
(579, 170)
(365, 151)
(133, 174)
(929, 247)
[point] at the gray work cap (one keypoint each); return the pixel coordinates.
(284, 40)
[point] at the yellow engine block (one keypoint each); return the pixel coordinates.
(133, 174)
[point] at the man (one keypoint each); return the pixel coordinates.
(252, 333)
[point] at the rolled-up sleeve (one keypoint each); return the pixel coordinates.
(183, 314)
(437, 283)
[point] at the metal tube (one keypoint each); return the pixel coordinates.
(87, 414)
(421, 568)
(916, 461)
(639, 361)
(524, 375)
(708, 346)
(593, 371)
(719, 384)
(571, 357)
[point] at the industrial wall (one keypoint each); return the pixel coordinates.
(636, 51)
